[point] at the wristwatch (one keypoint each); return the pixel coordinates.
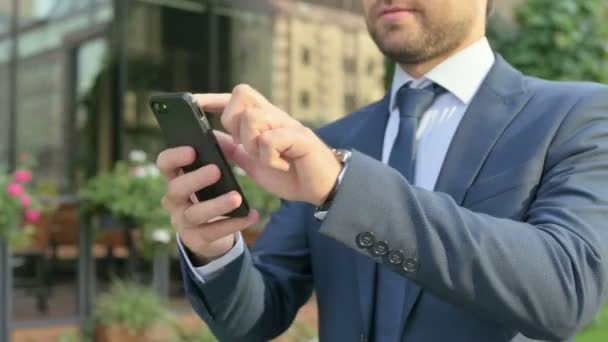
(343, 156)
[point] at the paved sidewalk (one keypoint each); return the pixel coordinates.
(306, 325)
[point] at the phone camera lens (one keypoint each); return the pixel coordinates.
(160, 108)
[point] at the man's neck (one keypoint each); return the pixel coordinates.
(417, 70)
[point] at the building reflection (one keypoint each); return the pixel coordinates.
(313, 59)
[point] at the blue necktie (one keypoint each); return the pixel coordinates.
(412, 104)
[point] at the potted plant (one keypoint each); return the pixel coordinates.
(132, 313)
(130, 196)
(19, 208)
(189, 334)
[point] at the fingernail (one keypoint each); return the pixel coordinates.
(234, 199)
(213, 169)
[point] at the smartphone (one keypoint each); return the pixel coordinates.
(183, 123)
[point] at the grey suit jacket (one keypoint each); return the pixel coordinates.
(512, 245)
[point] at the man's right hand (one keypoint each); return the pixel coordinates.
(201, 226)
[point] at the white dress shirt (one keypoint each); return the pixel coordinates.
(461, 76)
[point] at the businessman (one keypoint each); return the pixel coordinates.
(470, 204)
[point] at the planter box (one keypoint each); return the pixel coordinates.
(118, 333)
(109, 221)
(250, 236)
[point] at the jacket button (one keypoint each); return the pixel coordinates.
(410, 265)
(380, 248)
(395, 257)
(365, 240)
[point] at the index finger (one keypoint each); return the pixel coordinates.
(214, 103)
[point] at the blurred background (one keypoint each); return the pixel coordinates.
(75, 77)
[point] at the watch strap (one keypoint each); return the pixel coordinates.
(343, 156)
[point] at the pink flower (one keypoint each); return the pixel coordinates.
(15, 189)
(139, 172)
(32, 216)
(22, 176)
(26, 201)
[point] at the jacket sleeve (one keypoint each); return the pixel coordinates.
(210, 270)
(545, 277)
(257, 296)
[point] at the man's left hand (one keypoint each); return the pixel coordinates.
(277, 152)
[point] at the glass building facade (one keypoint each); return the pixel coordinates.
(85, 69)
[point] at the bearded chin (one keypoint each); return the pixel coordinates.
(432, 43)
(399, 50)
(405, 54)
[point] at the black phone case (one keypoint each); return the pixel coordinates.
(183, 123)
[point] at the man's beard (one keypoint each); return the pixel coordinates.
(434, 41)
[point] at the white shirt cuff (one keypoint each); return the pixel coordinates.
(213, 269)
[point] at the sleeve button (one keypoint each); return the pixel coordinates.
(395, 257)
(365, 240)
(410, 265)
(380, 248)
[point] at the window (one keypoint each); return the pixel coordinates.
(4, 117)
(305, 99)
(305, 56)
(40, 116)
(371, 67)
(350, 102)
(350, 65)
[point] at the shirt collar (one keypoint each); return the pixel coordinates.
(461, 74)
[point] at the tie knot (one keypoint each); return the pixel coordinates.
(414, 102)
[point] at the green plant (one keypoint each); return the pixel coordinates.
(301, 332)
(556, 39)
(133, 307)
(186, 334)
(19, 208)
(132, 191)
(258, 198)
(389, 71)
(72, 336)
(600, 322)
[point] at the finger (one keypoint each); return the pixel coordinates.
(214, 231)
(171, 160)
(204, 212)
(243, 97)
(234, 109)
(270, 150)
(226, 142)
(293, 142)
(252, 123)
(284, 144)
(167, 205)
(214, 103)
(180, 188)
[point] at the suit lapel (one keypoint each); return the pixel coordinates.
(501, 97)
(498, 101)
(368, 137)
